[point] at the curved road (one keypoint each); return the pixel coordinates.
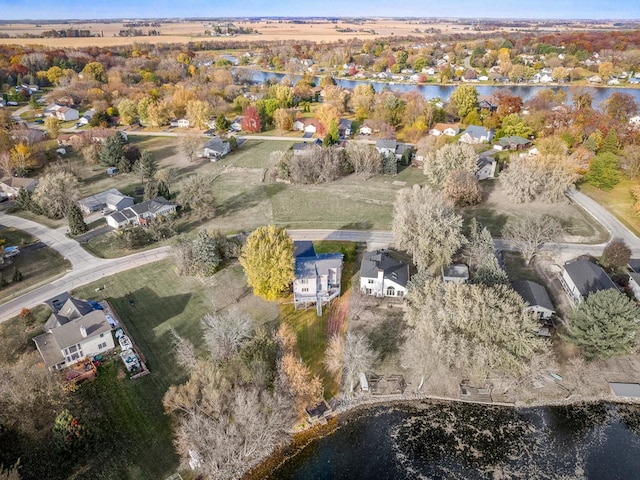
(87, 268)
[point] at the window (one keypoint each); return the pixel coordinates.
(370, 281)
(400, 293)
(304, 281)
(73, 349)
(305, 289)
(391, 292)
(102, 345)
(102, 335)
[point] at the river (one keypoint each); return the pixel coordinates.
(443, 92)
(429, 440)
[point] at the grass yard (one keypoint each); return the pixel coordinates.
(139, 433)
(37, 263)
(517, 270)
(618, 201)
(496, 208)
(49, 222)
(256, 153)
(311, 329)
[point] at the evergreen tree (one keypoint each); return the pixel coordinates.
(610, 143)
(151, 191)
(206, 254)
(389, 165)
(17, 275)
(146, 166)
(77, 225)
(332, 137)
(112, 150)
(222, 124)
(604, 325)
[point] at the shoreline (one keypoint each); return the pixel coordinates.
(344, 413)
(447, 84)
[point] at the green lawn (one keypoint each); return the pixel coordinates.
(618, 201)
(256, 153)
(133, 414)
(37, 264)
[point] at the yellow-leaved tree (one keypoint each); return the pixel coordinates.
(267, 259)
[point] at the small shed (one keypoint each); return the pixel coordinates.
(456, 272)
(318, 411)
(625, 390)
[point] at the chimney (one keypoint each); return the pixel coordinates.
(83, 331)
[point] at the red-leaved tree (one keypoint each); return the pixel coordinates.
(251, 120)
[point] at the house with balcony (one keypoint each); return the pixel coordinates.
(383, 276)
(317, 276)
(76, 331)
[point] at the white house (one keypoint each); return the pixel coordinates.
(317, 276)
(10, 186)
(306, 125)
(486, 168)
(366, 130)
(65, 114)
(635, 121)
(344, 127)
(475, 134)
(447, 129)
(236, 125)
(86, 118)
(76, 331)
(382, 276)
(536, 297)
(141, 213)
(216, 148)
(582, 277)
(183, 123)
(112, 199)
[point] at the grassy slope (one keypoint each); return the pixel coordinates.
(618, 201)
(36, 265)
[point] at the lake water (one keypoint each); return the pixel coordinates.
(462, 441)
(444, 91)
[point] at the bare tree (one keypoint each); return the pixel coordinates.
(365, 159)
(545, 178)
(334, 355)
(426, 226)
(225, 332)
(529, 233)
(474, 329)
(6, 164)
(358, 358)
(183, 350)
(55, 192)
(190, 145)
(462, 188)
(196, 193)
(616, 255)
(453, 156)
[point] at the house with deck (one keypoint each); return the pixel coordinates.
(77, 330)
(215, 148)
(111, 199)
(141, 213)
(317, 276)
(383, 276)
(536, 298)
(582, 277)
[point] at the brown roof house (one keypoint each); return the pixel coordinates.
(10, 186)
(74, 332)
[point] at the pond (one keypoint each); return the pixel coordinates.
(437, 440)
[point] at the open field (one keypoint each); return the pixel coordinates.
(618, 201)
(316, 30)
(245, 198)
(37, 263)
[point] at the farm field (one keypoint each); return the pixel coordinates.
(192, 31)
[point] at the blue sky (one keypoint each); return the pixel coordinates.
(89, 9)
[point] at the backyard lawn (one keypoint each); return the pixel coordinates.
(37, 263)
(618, 201)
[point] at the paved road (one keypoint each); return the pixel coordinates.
(86, 268)
(615, 228)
